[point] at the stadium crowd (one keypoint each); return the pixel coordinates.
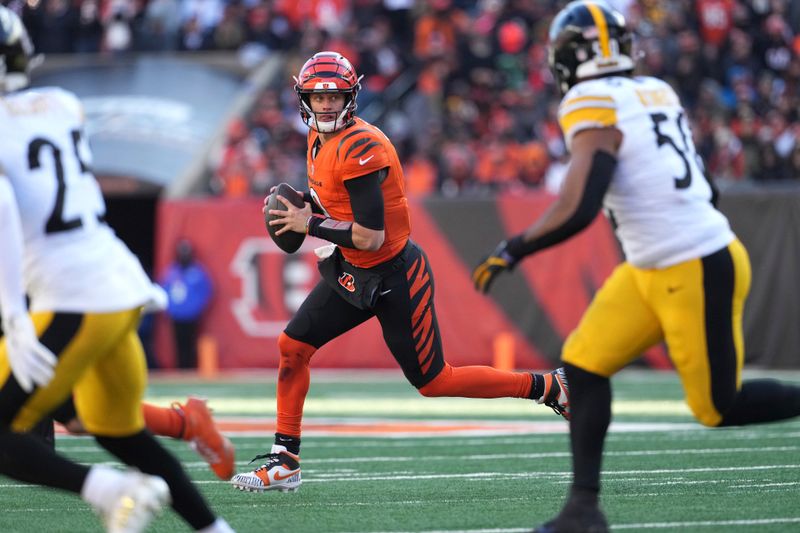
(462, 87)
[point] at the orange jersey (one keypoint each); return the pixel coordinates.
(356, 151)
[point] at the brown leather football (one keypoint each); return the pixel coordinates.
(290, 241)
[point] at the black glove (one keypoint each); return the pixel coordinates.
(498, 261)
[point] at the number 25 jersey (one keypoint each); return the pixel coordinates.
(72, 261)
(659, 198)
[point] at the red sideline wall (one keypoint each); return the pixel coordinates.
(257, 287)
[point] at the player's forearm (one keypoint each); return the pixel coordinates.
(573, 211)
(345, 234)
(367, 239)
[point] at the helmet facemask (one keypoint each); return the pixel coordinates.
(311, 117)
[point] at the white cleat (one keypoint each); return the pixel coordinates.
(137, 504)
(280, 472)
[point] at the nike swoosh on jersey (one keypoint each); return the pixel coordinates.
(365, 161)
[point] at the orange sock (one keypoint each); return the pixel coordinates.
(479, 382)
(163, 421)
(293, 381)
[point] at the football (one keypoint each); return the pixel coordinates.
(290, 241)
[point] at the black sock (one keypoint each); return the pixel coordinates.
(45, 431)
(66, 412)
(537, 386)
(590, 408)
(292, 444)
(583, 497)
(763, 400)
(29, 459)
(145, 453)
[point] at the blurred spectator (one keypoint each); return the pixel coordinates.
(89, 33)
(464, 81)
(420, 174)
(160, 25)
(118, 35)
(484, 97)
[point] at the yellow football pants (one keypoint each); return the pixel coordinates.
(100, 361)
(695, 307)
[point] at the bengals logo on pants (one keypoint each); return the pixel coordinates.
(348, 282)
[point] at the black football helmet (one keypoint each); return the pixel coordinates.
(588, 40)
(16, 52)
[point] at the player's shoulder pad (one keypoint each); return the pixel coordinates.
(362, 150)
(65, 100)
(588, 104)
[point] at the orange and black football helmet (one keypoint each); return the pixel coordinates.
(588, 40)
(327, 72)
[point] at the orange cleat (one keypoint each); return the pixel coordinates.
(205, 438)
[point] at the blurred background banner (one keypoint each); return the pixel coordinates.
(258, 287)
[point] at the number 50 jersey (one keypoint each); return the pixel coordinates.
(73, 261)
(659, 197)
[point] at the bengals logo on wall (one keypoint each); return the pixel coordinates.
(271, 284)
(348, 282)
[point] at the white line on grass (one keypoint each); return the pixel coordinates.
(418, 405)
(545, 474)
(643, 525)
(536, 455)
(709, 523)
(553, 455)
(390, 476)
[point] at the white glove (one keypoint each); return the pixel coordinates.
(158, 300)
(32, 363)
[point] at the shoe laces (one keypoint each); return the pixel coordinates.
(273, 459)
(554, 394)
(556, 407)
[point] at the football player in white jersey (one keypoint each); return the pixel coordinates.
(685, 276)
(86, 294)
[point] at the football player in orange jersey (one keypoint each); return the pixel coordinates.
(357, 202)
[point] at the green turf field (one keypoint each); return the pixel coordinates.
(504, 466)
